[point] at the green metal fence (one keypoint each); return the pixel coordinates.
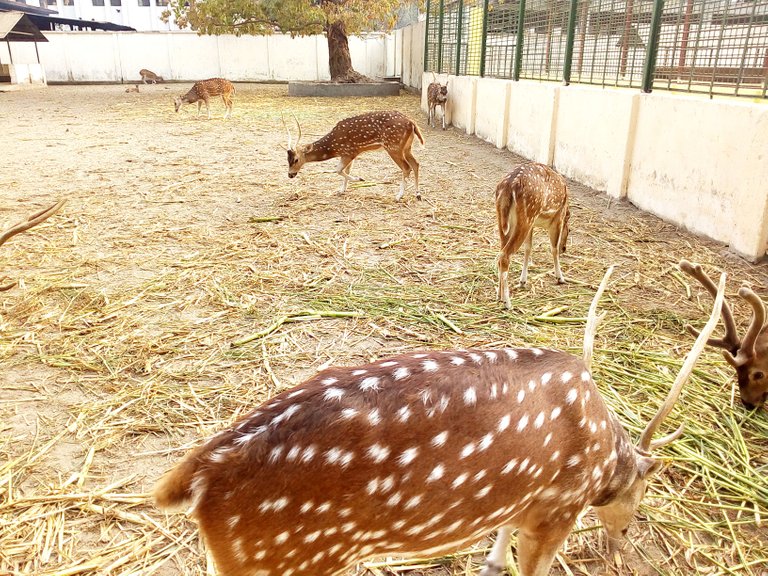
(712, 46)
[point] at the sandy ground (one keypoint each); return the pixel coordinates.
(181, 235)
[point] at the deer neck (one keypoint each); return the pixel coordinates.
(625, 466)
(320, 150)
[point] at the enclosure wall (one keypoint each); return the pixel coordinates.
(696, 162)
(118, 56)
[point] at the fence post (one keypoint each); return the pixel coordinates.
(653, 46)
(426, 37)
(519, 43)
(459, 22)
(484, 39)
(440, 40)
(569, 40)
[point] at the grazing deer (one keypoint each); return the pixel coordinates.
(352, 136)
(149, 77)
(749, 356)
(437, 95)
(531, 195)
(23, 226)
(203, 90)
(419, 454)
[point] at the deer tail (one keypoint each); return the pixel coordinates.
(418, 133)
(176, 489)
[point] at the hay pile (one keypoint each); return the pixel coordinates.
(187, 280)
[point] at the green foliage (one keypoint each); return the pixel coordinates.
(294, 17)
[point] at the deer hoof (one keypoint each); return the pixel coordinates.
(561, 280)
(491, 570)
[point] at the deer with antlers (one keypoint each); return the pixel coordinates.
(392, 131)
(749, 357)
(532, 195)
(24, 225)
(420, 454)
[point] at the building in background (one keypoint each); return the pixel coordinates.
(141, 15)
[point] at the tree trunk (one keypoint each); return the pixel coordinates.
(339, 59)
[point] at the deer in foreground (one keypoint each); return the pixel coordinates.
(749, 357)
(23, 226)
(149, 77)
(532, 195)
(420, 454)
(437, 95)
(202, 92)
(391, 131)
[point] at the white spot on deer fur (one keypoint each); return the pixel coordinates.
(547, 439)
(524, 465)
(476, 358)
(483, 492)
(219, 455)
(570, 398)
(566, 377)
(378, 453)
(437, 473)
(585, 377)
(370, 383)
(233, 521)
(479, 476)
(531, 385)
(404, 413)
(275, 453)
(348, 413)
(348, 527)
(522, 423)
(309, 453)
(440, 439)
(307, 506)
(545, 378)
(329, 381)
(485, 442)
(388, 483)
(237, 548)
(539, 421)
(457, 361)
(603, 424)
(536, 351)
(430, 366)
(401, 373)
(511, 354)
(282, 537)
(311, 537)
(388, 364)
(297, 392)
(468, 450)
(573, 461)
(333, 394)
(358, 372)
(505, 388)
(504, 422)
(520, 396)
(419, 356)
(394, 500)
(408, 456)
(470, 396)
(491, 356)
(459, 480)
(373, 417)
(509, 466)
(413, 502)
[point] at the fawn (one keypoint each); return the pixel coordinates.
(532, 195)
(749, 357)
(352, 136)
(149, 77)
(437, 95)
(420, 454)
(203, 90)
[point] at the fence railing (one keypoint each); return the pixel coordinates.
(711, 46)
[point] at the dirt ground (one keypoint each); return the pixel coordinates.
(182, 236)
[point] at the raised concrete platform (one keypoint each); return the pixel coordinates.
(336, 90)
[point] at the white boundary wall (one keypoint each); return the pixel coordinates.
(118, 56)
(699, 163)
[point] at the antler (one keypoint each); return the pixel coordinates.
(288, 132)
(645, 445)
(746, 352)
(298, 139)
(730, 341)
(25, 225)
(593, 320)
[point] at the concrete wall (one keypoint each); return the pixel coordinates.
(696, 162)
(413, 54)
(118, 56)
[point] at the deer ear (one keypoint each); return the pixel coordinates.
(647, 467)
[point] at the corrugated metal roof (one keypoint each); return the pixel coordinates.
(17, 27)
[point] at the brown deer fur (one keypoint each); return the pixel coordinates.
(419, 454)
(392, 131)
(437, 95)
(532, 195)
(204, 90)
(147, 76)
(749, 357)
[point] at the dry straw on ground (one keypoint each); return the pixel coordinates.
(187, 279)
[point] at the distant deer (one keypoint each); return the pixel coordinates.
(203, 90)
(437, 95)
(419, 454)
(23, 226)
(532, 195)
(134, 89)
(749, 356)
(352, 136)
(149, 77)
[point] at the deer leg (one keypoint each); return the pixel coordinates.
(527, 249)
(442, 107)
(512, 245)
(208, 108)
(414, 165)
(496, 562)
(536, 551)
(345, 163)
(554, 240)
(399, 159)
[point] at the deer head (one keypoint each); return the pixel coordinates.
(749, 357)
(25, 225)
(296, 155)
(177, 102)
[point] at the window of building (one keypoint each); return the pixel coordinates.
(143, 2)
(115, 2)
(50, 2)
(68, 2)
(98, 2)
(161, 2)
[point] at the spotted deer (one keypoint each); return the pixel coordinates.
(437, 95)
(419, 455)
(391, 131)
(749, 357)
(202, 92)
(149, 77)
(532, 195)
